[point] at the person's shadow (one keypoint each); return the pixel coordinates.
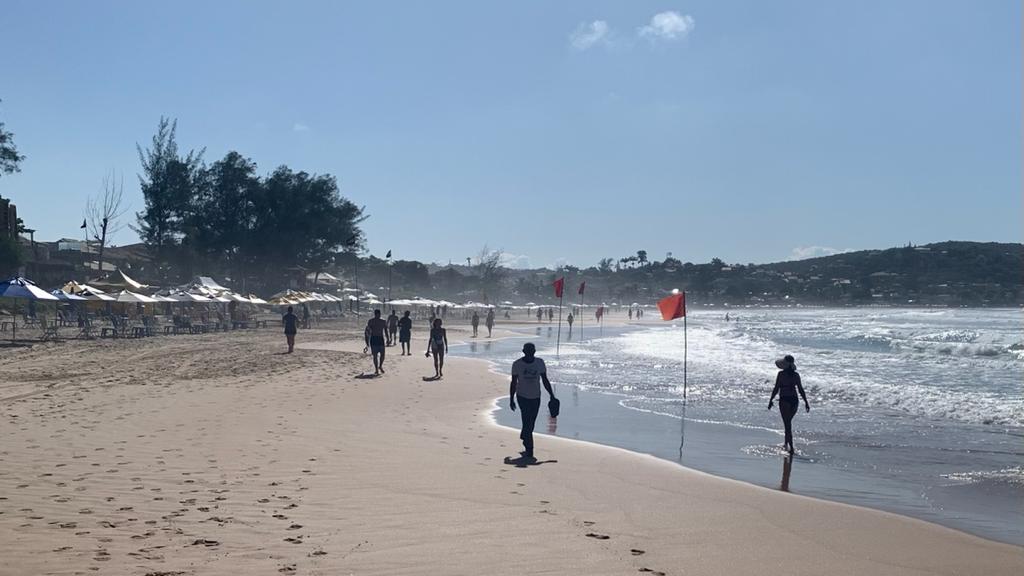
(365, 376)
(431, 378)
(524, 462)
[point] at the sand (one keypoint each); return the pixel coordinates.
(215, 454)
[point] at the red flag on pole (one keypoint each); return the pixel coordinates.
(559, 286)
(673, 306)
(583, 286)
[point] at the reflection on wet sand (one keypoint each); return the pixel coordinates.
(787, 467)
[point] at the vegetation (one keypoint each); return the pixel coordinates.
(227, 220)
(10, 159)
(949, 274)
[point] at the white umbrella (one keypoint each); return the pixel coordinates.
(19, 287)
(134, 297)
(97, 296)
(62, 295)
(256, 299)
(188, 297)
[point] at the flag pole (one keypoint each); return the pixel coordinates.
(558, 342)
(684, 360)
(583, 314)
(388, 299)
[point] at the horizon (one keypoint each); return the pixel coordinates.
(891, 130)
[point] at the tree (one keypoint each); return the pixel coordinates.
(224, 220)
(641, 257)
(10, 160)
(490, 271)
(103, 211)
(170, 186)
(605, 265)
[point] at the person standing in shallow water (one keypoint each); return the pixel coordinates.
(527, 374)
(475, 321)
(290, 321)
(787, 384)
(489, 321)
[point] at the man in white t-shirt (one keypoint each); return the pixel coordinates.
(527, 374)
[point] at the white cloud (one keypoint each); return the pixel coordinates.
(589, 34)
(300, 127)
(669, 25)
(805, 252)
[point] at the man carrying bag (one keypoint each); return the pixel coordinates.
(527, 374)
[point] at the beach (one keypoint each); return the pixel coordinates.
(217, 454)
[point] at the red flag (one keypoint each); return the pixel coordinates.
(583, 286)
(559, 286)
(673, 306)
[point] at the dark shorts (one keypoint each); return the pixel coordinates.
(404, 336)
(289, 332)
(377, 343)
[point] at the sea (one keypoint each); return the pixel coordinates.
(914, 411)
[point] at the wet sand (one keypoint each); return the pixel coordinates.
(216, 454)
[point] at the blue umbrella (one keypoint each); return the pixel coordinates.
(19, 287)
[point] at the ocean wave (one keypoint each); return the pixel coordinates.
(1013, 475)
(922, 371)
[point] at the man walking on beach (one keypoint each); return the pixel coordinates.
(374, 337)
(527, 374)
(405, 334)
(392, 328)
(290, 320)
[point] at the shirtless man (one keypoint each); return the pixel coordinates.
(374, 338)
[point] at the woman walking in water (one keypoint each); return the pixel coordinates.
(438, 344)
(787, 384)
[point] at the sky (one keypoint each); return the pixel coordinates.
(559, 132)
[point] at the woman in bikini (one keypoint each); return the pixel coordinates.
(438, 344)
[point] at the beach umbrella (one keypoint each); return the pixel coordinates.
(256, 299)
(134, 298)
(188, 297)
(19, 287)
(62, 295)
(98, 296)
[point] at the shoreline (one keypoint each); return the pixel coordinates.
(749, 453)
(239, 458)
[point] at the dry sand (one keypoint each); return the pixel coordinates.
(214, 454)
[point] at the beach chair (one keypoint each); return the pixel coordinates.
(115, 330)
(50, 331)
(85, 329)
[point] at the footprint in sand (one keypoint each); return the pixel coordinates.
(597, 536)
(654, 572)
(637, 552)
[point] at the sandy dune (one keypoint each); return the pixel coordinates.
(214, 454)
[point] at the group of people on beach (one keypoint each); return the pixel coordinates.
(530, 372)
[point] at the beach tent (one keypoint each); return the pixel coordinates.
(19, 287)
(256, 299)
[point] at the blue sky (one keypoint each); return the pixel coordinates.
(557, 131)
